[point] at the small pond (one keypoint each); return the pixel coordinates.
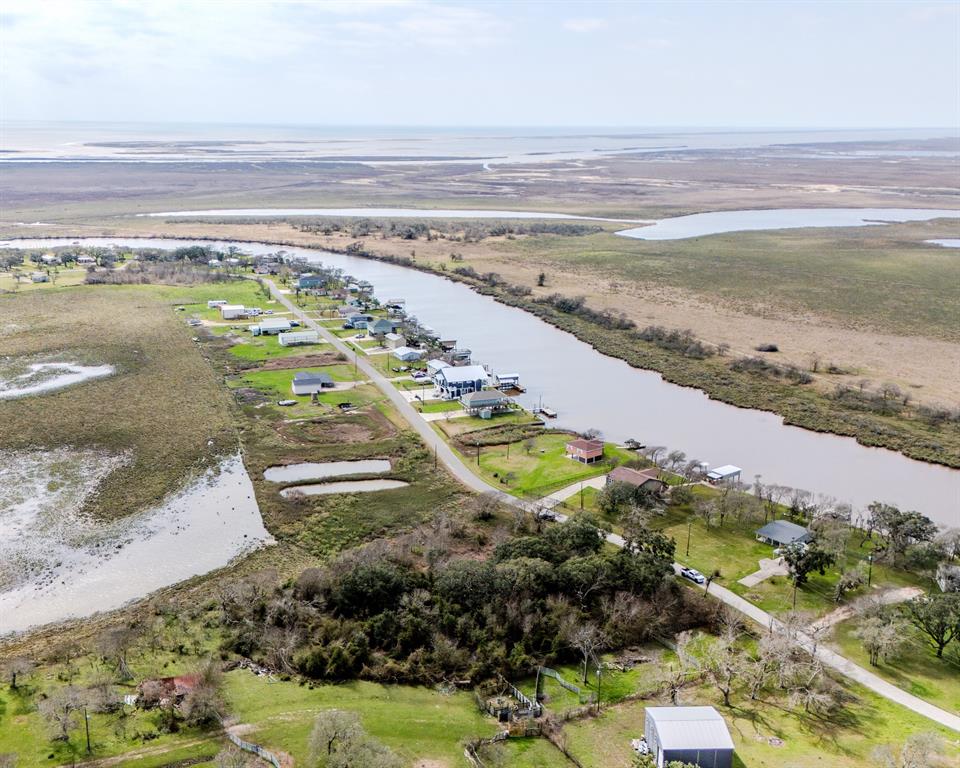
(946, 243)
(47, 377)
(318, 471)
(346, 486)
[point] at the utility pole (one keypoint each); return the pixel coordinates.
(581, 494)
(86, 720)
(599, 667)
(434, 455)
(478, 453)
(870, 572)
(689, 528)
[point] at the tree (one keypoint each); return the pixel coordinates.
(937, 617)
(848, 581)
(882, 637)
(339, 741)
(232, 757)
(542, 279)
(60, 710)
(586, 637)
(725, 665)
(485, 506)
(900, 529)
(18, 666)
(802, 560)
(918, 751)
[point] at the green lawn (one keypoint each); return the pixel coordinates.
(524, 753)
(846, 741)
(260, 348)
(438, 406)
(416, 722)
(916, 670)
(544, 468)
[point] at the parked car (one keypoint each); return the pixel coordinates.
(268, 311)
(345, 406)
(546, 514)
(294, 323)
(694, 575)
(286, 402)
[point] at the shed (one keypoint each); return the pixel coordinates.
(307, 382)
(585, 451)
(298, 337)
(40, 277)
(393, 341)
(232, 311)
(505, 381)
(407, 354)
(638, 478)
(271, 326)
(780, 533)
(485, 399)
(696, 735)
(725, 474)
(455, 381)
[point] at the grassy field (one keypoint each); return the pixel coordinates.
(916, 670)
(416, 722)
(168, 409)
(542, 469)
(263, 348)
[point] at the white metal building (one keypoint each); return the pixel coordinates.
(232, 311)
(298, 337)
(696, 735)
(725, 474)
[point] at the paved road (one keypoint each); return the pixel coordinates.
(467, 477)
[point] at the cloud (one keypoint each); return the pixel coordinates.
(584, 25)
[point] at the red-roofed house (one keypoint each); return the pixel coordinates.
(585, 451)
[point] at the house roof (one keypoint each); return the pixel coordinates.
(484, 396)
(586, 445)
(275, 322)
(784, 532)
(636, 477)
(463, 373)
(438, 364)
(690, 728)
(393, 336)
(724, 471)
(508, 376)
(225, 307)
(400, 351)
(308, 377)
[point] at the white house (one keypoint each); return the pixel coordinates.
(298, 337)
(86, 260)
(271, 326)
(455, 381)
(232, 311)
(406, 354)
(216, 303)
(50, 258)
(308, 383)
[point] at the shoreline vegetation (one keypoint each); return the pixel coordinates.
(884, 419)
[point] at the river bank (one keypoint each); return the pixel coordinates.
(589, 390)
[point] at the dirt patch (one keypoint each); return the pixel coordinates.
(302, 361)
(361, 427)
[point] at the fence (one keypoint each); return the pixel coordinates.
(546, 671)
(249, 746)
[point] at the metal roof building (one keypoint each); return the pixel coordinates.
(696, 735)
(725, 474)
(308, 382)
(783, 532)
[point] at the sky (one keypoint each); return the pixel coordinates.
(413, 62)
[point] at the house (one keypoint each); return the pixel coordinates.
(233, 262)
(585, 451)
(310, 282)
(308, 383)
(695, 735)
(948, 577)
(346, 311)
(461, 355)
(232, 311)
(86, 260)
(647, 479)
(50, 258)
(781, 533)
(435, 366)
(506, 381)
(40, 277)
(484, 402)
(271, 326)
(214, 263)
(406, 354)
(456, 381)
(393, 340)
(295, 338)
(725, 474)
(358, 321)
(381, 325)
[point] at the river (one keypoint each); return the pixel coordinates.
(590, 390)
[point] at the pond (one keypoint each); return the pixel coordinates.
(592, 391)
(56, 563)
(946, 243)
(346, 486)
(317, 471)
(47, 377)
(382, 213)
(717, 222)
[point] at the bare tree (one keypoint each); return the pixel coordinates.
(918, 751)
(60, 710)
(882, 638)
(17, 667)
(586, 637)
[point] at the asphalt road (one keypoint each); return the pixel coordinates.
(463, 473)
